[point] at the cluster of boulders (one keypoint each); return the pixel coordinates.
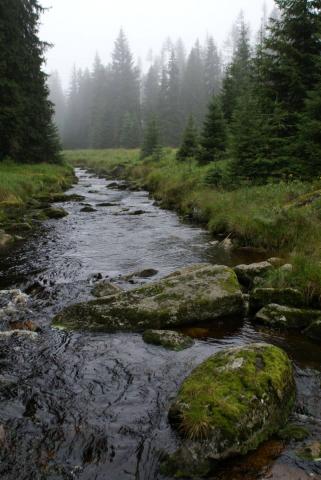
(280, 308)
(238, 397)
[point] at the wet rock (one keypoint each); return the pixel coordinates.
(55, 212)
(105, 288)
(107, 204)
(112, 185)
(88, 209)
(168, 339)
(93, 191)
(191, 295)
(14, 297)
(313, 331)
(5, 239)
(137, 212)
(146, 273)
(228, 406)
(246, 273)
(260, 297)
(19, 334)
(281, 316)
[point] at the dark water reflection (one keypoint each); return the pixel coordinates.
(94, 406)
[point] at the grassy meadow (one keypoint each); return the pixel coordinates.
(282, 217)
(20, 182)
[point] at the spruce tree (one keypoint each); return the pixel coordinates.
(190, 144)
(238, 72)
(151, 142)
(27, 132)
(213, 135)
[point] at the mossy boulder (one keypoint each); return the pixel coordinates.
(192, 295)
(313, 331)
(228, 406)
(168, 339)
(55, 212)
(59, 197)
(105, 288)
(247, 273)
(260, 297)
(282, 316)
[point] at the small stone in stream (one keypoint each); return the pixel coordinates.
(105, 288)
(112, 185)
(168, 339)
(19, 334)
(284, 317)
(55, 212)
(146, 273)
(93, 191)
(88, 210)
(107, 204)
(137, 212)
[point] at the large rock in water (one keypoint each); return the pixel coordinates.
(228, 406)
(192, 295)
(282, 316)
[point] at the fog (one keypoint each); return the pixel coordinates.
(78, 28)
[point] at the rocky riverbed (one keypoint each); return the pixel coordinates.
(86, 404)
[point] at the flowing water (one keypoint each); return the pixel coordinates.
(94, 406)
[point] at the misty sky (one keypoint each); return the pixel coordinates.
(79, 28)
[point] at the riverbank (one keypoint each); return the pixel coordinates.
(283, 217)
(20, 186)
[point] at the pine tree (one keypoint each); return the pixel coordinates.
(190, 144)
(213, 135)
(130, 131)
(151, 143)
(27, 132)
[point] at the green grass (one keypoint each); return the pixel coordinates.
(282, 217)
(20, 182)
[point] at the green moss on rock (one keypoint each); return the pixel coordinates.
(260, 297)
(230, 404)
(281, 316)
(54, 212)
(192, 295)
(168, 339)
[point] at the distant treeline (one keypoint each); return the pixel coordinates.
(27, 133)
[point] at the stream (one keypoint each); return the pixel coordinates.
(94, 406)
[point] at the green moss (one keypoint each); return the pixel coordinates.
(217, 395)
(293, 432)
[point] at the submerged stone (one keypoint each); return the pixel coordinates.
(192, 295)
(168, 339)
(228, 406)
(260, 297)
(281, 316)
